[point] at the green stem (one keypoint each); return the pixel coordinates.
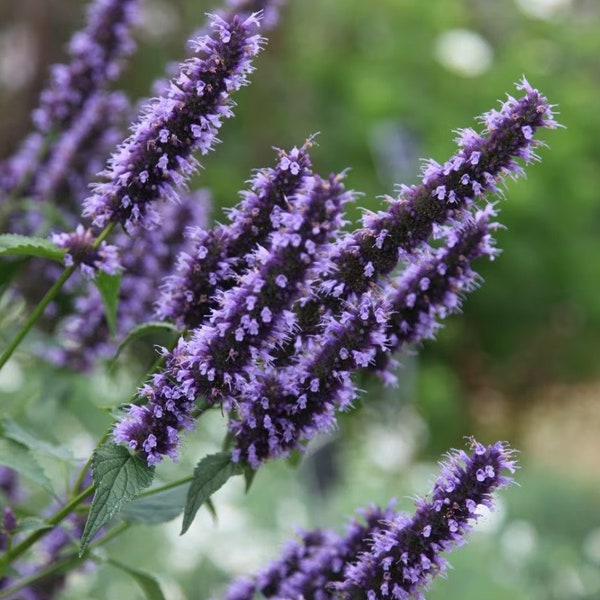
(64, 565)
(43, 303)
(55, 519)
(167, 486)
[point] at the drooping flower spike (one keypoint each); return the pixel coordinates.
(279, 408)
(156, 158)
(252, 318)
(392, 554)
(220, 255)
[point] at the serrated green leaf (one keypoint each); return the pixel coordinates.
(209, 475)
(210, 506)
(109, 286)
(145, 329)
(15, 432)
(119, 477)
(19, 458)
(12, 243)
(149, 585)
(156, 508)
(30, 524)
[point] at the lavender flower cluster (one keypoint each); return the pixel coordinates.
(283, 306)
(389, 554)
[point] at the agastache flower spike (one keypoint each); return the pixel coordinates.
(252, 318)
(220, 255)
(96, 53)
(405, 554)
(81, 252)
(431, 286)
(157, 157)
(480, 166)
(281, 407)
(308, 567)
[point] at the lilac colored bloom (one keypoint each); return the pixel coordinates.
(157, 157)
(308, 566)
(480, 166)
(96, 54)
(252, 317)
(405, 554)
(220, 255)
(81, 252)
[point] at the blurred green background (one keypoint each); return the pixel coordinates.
(386, 83)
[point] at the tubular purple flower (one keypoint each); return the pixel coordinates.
(405, 554)
(251, 319)
(81, 252)
(480, 166)
(308, 567)
(157, 157)
(221, 254)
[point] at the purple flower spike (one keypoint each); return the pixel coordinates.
(157, 157)
(431, 287)
(479, 167)
(81, 252)
(308, 566)
(406, 554)
(219, 255)
(279, 408)
(96, 53)
(252, 318)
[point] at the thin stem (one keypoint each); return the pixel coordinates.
(43, 303)
(55, 519)
(72, 559)
(167, 486)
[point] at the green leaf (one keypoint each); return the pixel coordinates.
(148, 584)
(12, 243)
(108, 286)
(209, 475)
(18, 457)
(249, 475)
(151, 328)
(119, 477)
(15, 432)
(210, 506)
(156, 508)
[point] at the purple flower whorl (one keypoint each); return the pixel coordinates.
(157, 157)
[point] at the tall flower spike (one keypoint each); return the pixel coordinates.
(309, 566)
(157, 157)
(219, 255)
(280, 408)
(431, 286)
(391, 554)
(252, 318)
(406, 554)
(480, 166)
(96, 53)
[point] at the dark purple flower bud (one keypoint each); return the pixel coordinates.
(9, 521)
(81, 252)
(10, 484)
(219, 256)
(308, 566)
(156, 158)
(405, 554)
(479, 167)
(252, 317)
